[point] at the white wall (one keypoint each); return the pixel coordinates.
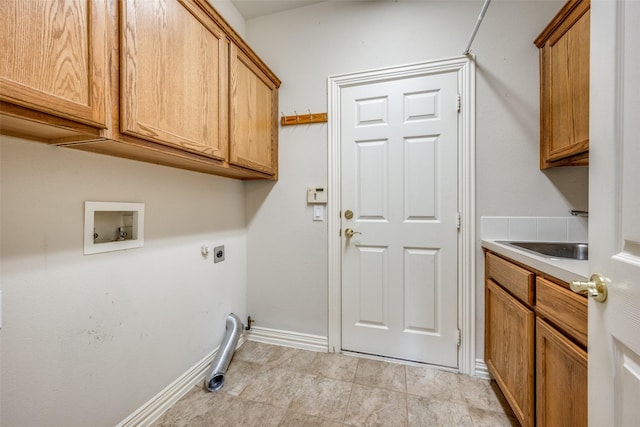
(287, 276)
(230, 14)
(86, 340)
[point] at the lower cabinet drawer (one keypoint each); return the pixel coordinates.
(565, 309)
(517, 280)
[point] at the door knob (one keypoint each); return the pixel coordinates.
(350, 233)
(596, 287)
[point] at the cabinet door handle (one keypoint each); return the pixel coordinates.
(596, 287)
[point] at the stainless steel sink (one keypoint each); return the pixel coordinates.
(554, 249)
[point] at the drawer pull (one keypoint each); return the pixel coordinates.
(596, 287)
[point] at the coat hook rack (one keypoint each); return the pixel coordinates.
(303, 119)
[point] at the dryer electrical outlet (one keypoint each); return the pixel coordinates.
(218, 254)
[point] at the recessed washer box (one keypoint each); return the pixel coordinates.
(112, 226)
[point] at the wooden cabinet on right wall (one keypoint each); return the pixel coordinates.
(564, 87)
(536, 343)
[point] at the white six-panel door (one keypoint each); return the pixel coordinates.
(614, 219)
(399, 172)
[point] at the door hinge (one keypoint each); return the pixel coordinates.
(459, 337)
(458, 220)
(459, 102)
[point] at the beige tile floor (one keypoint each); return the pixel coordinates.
(268, 385)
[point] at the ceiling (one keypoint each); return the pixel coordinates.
(250, 9)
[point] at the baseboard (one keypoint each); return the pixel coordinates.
(288, 339)
(481, 370)
(160, 403)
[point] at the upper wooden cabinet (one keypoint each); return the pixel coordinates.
(54, 61)
(162, 81)
(564, 87)
(254, 115)
(173, 76)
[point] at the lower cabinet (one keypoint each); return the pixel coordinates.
(535, 344)
(509, 351)
(561, 379)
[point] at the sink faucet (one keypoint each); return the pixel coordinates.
(580, 213)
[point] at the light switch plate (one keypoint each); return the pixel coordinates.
(318, 213)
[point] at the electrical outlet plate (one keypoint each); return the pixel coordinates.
(218, 254)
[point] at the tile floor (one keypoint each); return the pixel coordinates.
(268, 385)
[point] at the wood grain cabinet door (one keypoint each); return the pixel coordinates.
(569, 91)
(564, 87)
(173, 76)
(54, 57)
(253, 117)
(509, 349)
(561, 379)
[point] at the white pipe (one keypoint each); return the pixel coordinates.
(475, 29)
(221, 361)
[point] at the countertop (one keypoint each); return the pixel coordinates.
(560, 268)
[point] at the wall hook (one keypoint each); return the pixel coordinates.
(304, 119)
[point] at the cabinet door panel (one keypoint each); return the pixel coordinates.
(561, 378)
(564, 87)
(569, 91)
(253, 120)
(54, 56)
(509, 349)
(173, 76)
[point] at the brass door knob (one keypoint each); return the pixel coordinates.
(350, 233)
(596, 287)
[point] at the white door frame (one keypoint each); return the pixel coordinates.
(465, 68)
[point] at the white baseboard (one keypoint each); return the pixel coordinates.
(160, 403)
(288, 339)
(481, 370)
